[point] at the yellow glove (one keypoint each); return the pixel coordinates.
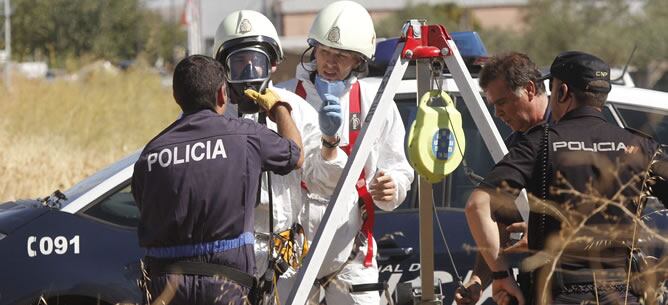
(266, 100)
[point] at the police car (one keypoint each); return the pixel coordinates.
(398, 241)
(80, 246)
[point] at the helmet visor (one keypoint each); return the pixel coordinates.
(248, 65)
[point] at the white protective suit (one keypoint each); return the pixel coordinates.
(387, 154)
(286, 190)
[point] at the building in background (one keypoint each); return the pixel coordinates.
(293, 18)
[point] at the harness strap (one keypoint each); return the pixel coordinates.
(299, 90)
(353, 131)
(355, 125)
(205, 269)
(368, 287)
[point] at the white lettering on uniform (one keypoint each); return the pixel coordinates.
(595, 147)
(194, 156)
(165, 152)
(170, 155)
(621, 146)
(558, 145)
(176, 156)
(152, 158)
(219, 149)
(605, 146)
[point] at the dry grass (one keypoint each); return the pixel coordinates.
(54, 133)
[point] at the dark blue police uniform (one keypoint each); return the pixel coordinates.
(196, 186)
(587, 158)
(511, 215)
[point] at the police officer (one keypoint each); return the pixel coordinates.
(248, 45)
(579, 165)
(196, 184)
(511, 83)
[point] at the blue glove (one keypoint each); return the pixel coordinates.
(330, 117)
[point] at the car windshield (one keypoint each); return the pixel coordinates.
(92, 181)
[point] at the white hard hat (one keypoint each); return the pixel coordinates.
(344, 25)
(246, 28)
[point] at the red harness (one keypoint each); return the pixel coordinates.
(354, 130)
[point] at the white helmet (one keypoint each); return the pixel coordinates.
(246, 28)
(344, 25)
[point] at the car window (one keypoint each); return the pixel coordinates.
(650, 121)
(87, 184)
(455, 189)
(607, 113)
(118, 208)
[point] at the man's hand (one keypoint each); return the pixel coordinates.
(330, 117)
(504, 290)
(382, 187)
(329, 114)
(470, 293)
(522, 245)
(267, 100)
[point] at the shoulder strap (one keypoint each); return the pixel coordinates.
(299, 90)
(355, 117)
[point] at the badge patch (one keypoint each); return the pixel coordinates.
(334, 35)
(245, 26)
(355, 121)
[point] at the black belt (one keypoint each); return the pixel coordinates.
(368, 287)
(205, 269)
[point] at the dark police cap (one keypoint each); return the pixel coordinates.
(581, 70)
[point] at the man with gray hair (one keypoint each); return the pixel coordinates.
(511, 84)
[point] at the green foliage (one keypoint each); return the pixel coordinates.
(453, 17)
(58, 30)
(162, 37)
(652, 34)
(599, 27)
(607, 28)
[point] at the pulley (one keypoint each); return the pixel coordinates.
(436, 140)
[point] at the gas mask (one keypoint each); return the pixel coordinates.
(247, 68)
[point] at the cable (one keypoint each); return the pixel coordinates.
(447, 248)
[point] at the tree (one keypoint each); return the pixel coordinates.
(453, 17)
(64, 29)
(162, 37)
(609, 29)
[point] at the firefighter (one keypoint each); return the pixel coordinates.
(195, 184)
(247, 44)
(583, 174)
(342, 39)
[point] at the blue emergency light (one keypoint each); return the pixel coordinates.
(469, 44)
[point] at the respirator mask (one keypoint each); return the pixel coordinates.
(247, 68)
